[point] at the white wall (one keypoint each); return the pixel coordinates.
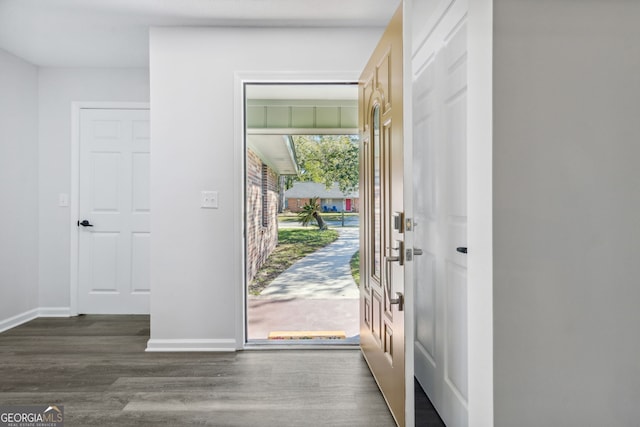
(196, 269)
(18, 187)
(58, 88)
(566, 212)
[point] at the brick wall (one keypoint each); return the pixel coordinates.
(355, 205)
(261, 240)
(295, 205)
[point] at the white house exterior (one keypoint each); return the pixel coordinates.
(330, 199)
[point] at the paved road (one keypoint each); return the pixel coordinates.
(322, 274)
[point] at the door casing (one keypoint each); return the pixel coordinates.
(241, 80)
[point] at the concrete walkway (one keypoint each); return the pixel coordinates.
(296, 314)
(322, 274)
(316, 293)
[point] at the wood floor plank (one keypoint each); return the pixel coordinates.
(97, 368)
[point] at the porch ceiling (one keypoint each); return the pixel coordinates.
(276, 151)
(302, 109)
(276, 111)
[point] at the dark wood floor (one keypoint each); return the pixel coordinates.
(426, 415)
(97, 368)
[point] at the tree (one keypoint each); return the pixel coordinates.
(311, 211)
(328, 159)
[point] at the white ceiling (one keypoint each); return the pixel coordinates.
(114, 33)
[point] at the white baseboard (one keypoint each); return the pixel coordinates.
(153, 345)
(54, 312)
(18, 319)
(175, 345)
(21, 318)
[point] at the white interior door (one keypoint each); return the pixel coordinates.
(440, 209)
(113, 258)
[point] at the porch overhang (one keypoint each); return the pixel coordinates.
(275, 112)
(275, 150)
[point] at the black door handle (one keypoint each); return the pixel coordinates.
(462, 250)
(85, 223)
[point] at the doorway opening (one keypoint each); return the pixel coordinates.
(301, 213)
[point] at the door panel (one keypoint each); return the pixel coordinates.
(141, 174)
(456, 346)
(104, 181)
(114, 197)
(140, 258)
(440, 209)
(382, 232)
(425, 304)
(103, 250)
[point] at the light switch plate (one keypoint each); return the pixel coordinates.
(209, 199)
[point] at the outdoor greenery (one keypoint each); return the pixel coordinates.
(327, 159)
(293, 244)
(311, 211)
(327, 216)
(355, 267)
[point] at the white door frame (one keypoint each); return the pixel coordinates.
(409, 271)
(239, 226)
(74, 196)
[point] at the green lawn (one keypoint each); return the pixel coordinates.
(327, 216)
(355, 267)
(293, 244)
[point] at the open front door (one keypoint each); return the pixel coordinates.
(382, 336)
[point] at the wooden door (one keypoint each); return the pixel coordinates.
(114, 212)
(382, 232)
(440, 211)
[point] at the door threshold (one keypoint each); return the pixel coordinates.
(311, 344)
